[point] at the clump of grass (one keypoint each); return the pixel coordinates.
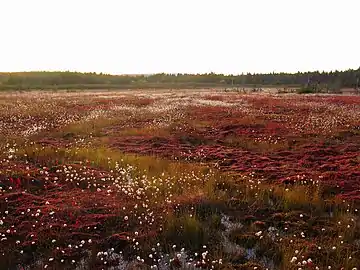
(94, 127)
(243, 239)
(185, 231)
(258, 146)
(298, 197)
(145, 131)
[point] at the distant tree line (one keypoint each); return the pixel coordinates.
(332, 81)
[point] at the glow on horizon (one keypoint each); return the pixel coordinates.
(179, 36)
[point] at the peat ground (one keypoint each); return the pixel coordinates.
(179, 180)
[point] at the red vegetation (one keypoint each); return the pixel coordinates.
(280, 138)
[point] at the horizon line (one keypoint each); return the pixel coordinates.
(177, 73)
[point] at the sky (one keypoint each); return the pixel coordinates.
(179, 36)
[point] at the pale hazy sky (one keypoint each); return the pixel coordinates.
(148, 36)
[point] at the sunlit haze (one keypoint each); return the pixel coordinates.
(134, 36)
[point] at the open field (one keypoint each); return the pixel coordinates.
(179, 180)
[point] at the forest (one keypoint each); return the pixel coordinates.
(331, 81)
